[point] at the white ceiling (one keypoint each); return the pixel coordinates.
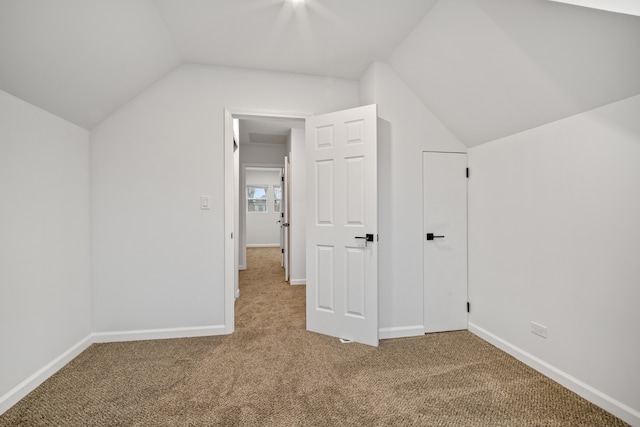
(630, 7)
(492, 68)
(83, 59)
(486, 68)
(267, 131)
(337, 38)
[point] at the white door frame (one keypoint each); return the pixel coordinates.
(243, 207)
(285, 209)
(230, 263)
(230, 268)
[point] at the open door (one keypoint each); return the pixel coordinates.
(342, 224)
(445, 241)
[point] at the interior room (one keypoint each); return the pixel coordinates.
(120, 176)
(264, 189)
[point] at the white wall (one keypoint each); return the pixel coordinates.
(44, 245)
(406, 128)
(263, 228)
(298, 214)
(554, 237)
(158, 260)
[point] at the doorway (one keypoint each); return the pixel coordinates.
(349, 139)
(260, 207)
(263, 143)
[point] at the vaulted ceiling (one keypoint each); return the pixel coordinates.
(491, 68)
(486, 68)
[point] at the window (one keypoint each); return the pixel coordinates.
(277, 198)
(257, 198)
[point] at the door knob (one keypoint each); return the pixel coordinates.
(431, 236)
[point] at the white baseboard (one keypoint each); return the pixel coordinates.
(400, 332)
(263, 245)
(584, 390)
(297, 281)
(28, 385)
(14, 395)
(158, 334)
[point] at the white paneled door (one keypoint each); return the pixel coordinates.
(342, 224)
(445, 241)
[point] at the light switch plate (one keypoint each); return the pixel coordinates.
(205, 202)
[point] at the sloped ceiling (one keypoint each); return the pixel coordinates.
(486, 68)
(630, 7)
(491, 68)
(83, 59)
(338, 38)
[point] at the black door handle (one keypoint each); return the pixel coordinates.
(430, 236)
(368, 237)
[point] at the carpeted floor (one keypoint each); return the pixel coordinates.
(272, 372)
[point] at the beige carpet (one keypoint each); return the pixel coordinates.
(272, 372)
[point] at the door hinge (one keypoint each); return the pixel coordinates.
(468, 307)
(282, 215)
(282, 178)
(281, 250)
(467, 172)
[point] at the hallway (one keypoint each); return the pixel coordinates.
(266, 300)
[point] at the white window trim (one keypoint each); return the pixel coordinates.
(266, 200)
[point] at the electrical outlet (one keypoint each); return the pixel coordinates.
(539, 329)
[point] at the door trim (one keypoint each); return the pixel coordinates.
(230, 261)
(242, 208)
